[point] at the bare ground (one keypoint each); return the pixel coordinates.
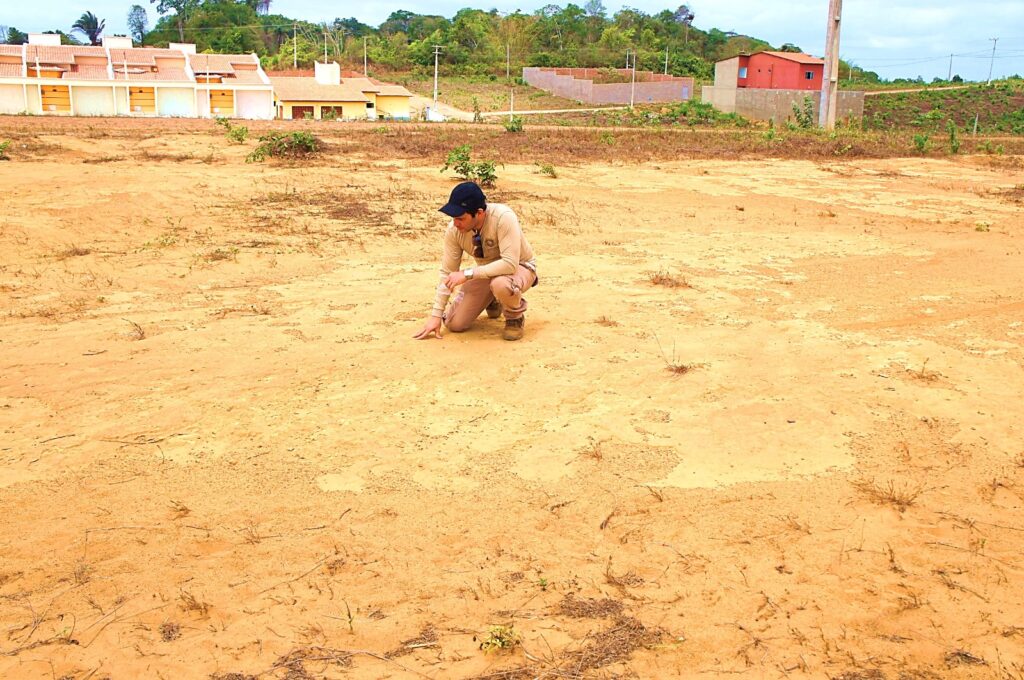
(766, 419)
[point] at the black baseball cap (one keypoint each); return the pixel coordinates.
(465, 197)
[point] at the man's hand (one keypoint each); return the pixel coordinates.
(431, 327)
(455, 279)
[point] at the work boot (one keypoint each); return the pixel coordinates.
(514, 328)
(494, 310)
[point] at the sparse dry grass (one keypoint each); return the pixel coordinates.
(179, 510)
(169, 631)
(137, 332)
(188, 602)
(667, 279)
(899, 495)
(71, 250)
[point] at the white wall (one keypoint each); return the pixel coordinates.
(12, 99)
(92, 101)
(174, 101)
(254, 104)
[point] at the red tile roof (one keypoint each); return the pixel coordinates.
(88, 72)
(143, 64)
(798, 57)
(247, 78)
(65, 54)
(143, 55)
(308, 90)
(218, 63)
(164, 74)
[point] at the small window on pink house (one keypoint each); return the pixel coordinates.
(808, 75)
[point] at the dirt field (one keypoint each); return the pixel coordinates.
(223, 456)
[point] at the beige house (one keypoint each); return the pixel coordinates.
(44, 77)
(327, 95)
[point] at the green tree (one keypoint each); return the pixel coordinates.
(182, 9)
(259, 6)
(90, 26)
(714, 41)
(138, 23)
(15, 37)
(353, 27)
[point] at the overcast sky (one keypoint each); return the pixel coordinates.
(896, 38)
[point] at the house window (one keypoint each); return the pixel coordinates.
(369, 105)
(808, 75)
(743, 71)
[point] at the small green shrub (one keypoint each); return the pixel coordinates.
(281, 145)
(922, 143)
(514, 124)
(500, 639)
(547, 169)
(805, 115)
(485, 173)
(608, 138)
(954, 141)
(460, 161)
(3, 150)
(238, 134)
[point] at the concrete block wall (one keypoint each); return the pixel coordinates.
(777, 105)
(578, 84)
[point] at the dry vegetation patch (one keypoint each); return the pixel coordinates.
(589, 608)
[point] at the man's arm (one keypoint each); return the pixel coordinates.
(451, 257)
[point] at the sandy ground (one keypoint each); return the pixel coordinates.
(223, 456)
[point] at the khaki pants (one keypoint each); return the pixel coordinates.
(475, 294)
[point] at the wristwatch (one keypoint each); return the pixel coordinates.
(468, 273)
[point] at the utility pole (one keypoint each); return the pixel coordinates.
(627, 57)
(295, 49)
(830, 74)
(992, 61)
(950, 76)
(364, 57)
(508, 61)
(437, 50)
(325, 46)
(632, 84)
(666, 59)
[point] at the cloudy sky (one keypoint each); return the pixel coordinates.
(895, 38)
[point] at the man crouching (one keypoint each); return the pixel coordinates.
(504, 269)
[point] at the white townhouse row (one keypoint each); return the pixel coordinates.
(43, 77)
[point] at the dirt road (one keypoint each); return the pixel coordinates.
(765, 420)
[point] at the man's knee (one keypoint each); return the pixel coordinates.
(456, 326)
(502, 287)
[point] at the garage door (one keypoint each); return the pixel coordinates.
(12, 99)
(254, 104)
(174, 102)
(93, 101)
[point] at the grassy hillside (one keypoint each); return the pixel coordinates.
(999, 109)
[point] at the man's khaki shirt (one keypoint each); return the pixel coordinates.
(504, 245)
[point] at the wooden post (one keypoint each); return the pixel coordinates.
(830, 73)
